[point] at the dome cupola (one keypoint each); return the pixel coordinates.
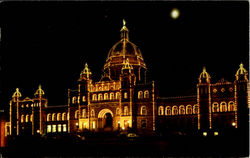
(17, 94)
(120, 52)
(241, 73)
(204, 76)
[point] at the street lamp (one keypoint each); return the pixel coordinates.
(204, 134)
(216, 133)
(233, 124)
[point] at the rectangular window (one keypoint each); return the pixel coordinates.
(143, 124)
(93, 125)
(59, 128)
(125, 95)
(48, 128)
(64, 128)
(53, 128)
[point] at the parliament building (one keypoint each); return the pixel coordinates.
(123, 100)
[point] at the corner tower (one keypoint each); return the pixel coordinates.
(120, 52)
(204, 101)
(242, 98)
(242, 107)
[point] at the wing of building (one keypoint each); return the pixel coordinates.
(123, 100)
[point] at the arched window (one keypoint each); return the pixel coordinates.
(100, 97)
(146, 94)
(140, 95)
(54, 117)
(59, 116)
(48, 117)
(78, 99)
(76, 114)
(189, 109)
(143, 110)
(92, 114)
(231, 106)
(31, 118)
(168, 110)
(27, 118)
(67, 115)
(161, 110)
(223, 107)
(74, 100)
(106, 96)
(215, 107)
(64, 117)
(126, 110)
(84, 113)
(94, 97)
(117, 111)
(195, 109)
(182, 110)
(175, 110)
(83, 98)
(22, 118)
(112, 96)
(117, 95)
(125, 95)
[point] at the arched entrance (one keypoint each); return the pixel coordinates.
(105, 120)
(108, 120)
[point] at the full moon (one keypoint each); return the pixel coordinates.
(175, 13)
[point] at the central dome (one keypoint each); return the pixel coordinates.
(124, 47)
(122, 51)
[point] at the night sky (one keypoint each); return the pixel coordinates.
(48, 43)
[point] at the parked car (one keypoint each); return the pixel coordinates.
(132, 136)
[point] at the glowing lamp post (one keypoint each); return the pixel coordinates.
(216, 133)
(233, 124)
(204, 134)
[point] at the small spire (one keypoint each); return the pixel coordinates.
(124, 22)
(204, 69)
(124, 31)
(241, 65)
(40, 87)
(204, 72)
(241, 70)
(86, 71)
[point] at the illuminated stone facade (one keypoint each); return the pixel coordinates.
(123, 100)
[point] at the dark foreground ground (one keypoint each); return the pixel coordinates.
(109, 145)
